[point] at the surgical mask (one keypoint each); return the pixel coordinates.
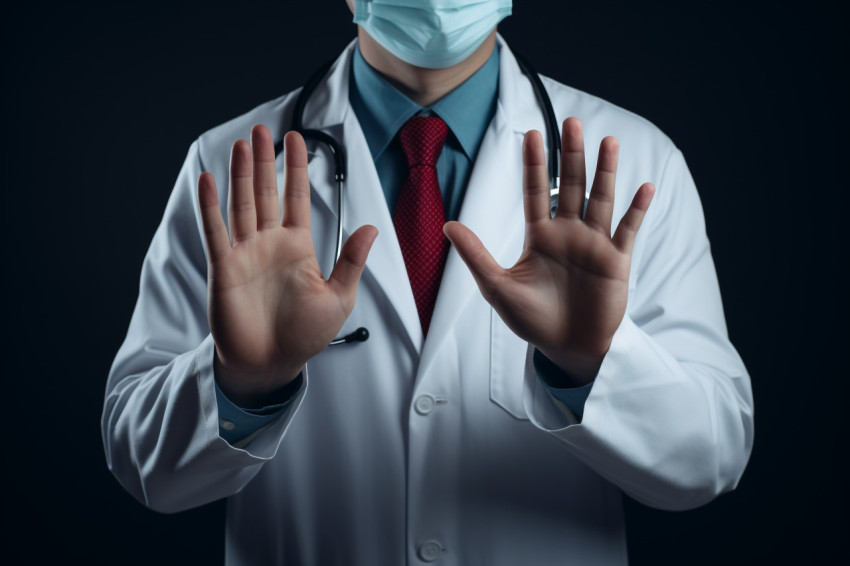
(434, 34)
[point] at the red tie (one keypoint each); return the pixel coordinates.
(419, 215)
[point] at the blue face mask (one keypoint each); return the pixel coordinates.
(434, 34)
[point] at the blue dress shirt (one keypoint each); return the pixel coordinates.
(382, 110)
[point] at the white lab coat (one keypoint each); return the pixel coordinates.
(496, 472)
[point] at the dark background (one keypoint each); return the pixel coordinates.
(103, 99)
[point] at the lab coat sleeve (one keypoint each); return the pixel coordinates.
(669, 418)
(160, 421)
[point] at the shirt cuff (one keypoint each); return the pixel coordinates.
(554, 379)
(236, 424)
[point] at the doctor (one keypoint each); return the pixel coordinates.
(495, 415)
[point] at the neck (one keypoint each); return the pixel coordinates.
(423, 86)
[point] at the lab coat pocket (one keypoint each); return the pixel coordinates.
(507, 364)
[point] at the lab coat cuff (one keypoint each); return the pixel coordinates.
(549, 410)
(236, 424)
(262, 441)
(551, 375)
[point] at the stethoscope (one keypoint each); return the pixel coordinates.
(553, 139)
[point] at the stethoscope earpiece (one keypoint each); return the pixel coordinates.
(359, 335)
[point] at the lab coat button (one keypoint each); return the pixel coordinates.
(430, 550)
(424, 404)
(225, 424)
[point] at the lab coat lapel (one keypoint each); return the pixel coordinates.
(492, 209)
(492, 206)
(366, 204)
(363, 198)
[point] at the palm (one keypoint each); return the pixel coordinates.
(567, 292)
(270, 309)
(568, 272)
(265, 293)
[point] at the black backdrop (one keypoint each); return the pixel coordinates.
(103, 99)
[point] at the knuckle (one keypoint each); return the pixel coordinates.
(628, 225)
(595, 224)
(213, 229)
(266, 190)
(601, 197)
(242, 206)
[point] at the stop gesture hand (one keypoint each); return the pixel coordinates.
(269, 308)
(567, 293)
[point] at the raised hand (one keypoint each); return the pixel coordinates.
(269, 308)
(567, 293)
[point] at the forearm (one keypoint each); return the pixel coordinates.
(160, 433)
(160, 420)
(672, 434)
(669, 418)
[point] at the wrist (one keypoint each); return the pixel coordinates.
(252, 389)
(580, 370)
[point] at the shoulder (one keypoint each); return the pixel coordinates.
(214, 145)
(601, 118)
(646, 152)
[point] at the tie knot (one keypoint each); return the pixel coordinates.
(422, 139)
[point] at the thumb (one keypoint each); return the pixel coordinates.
(352, 259)
(481, 264)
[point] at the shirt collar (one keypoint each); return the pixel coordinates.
(382, 109)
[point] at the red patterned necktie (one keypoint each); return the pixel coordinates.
(419, 215)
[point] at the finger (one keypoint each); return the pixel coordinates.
(624, 237)
(215, 231)
(535, 178)
(265, 178)
(240, 209)
(573, 176)
(296, 184)
(600, 205)
(485, 270)
(352, 259)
